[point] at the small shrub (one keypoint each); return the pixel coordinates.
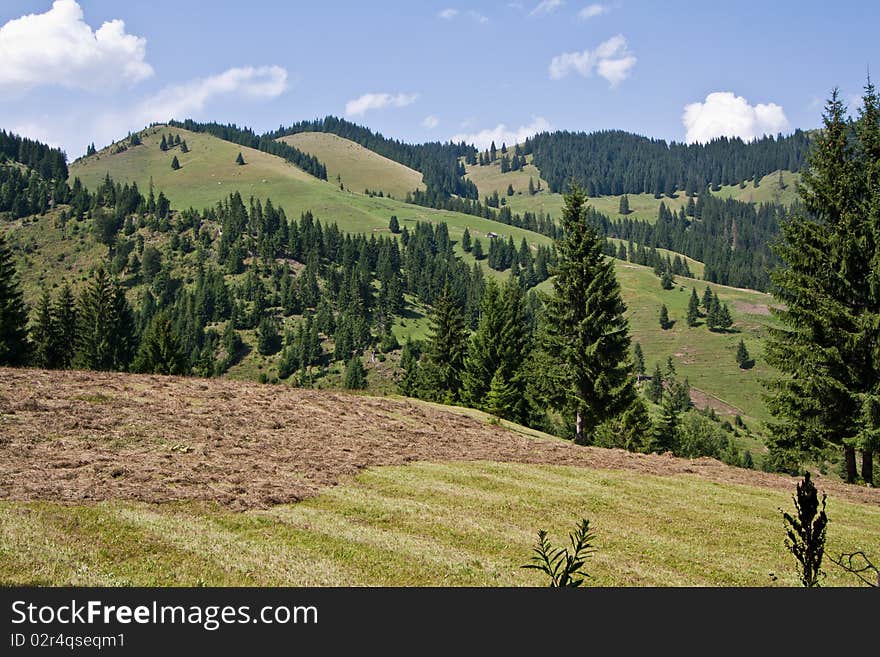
(560, 565)
(805, 532)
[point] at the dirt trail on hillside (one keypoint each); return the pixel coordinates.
(80, 437)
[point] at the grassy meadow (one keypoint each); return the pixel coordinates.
(358, 167)
(436, 524)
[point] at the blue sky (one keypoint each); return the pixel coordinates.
(430, 70)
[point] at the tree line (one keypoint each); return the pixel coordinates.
(614, 162)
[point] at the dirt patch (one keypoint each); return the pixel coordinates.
(752, 308)
(158, 439)
(703, 399)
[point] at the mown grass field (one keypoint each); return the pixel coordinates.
(358, 167)
(431, 524)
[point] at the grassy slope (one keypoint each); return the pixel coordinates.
(642, 206)
(705, 357)
(431, 524)
(209, 174)
(359, 167)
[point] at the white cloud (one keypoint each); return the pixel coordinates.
(367, 102)
(431, 122)
(726, 114)
(612, 60)
(73, 128)
(500, 134)
(591, 11)
(182, 100)
(448, 14)
(59, 48)
(477, 17)
(546, 7)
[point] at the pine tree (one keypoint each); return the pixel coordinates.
(447, 346)
(239, 160)
(355, 377)
(105, 326)
(501, 397)
(742, 355)
(655, 389)
(499, 347)
(65, 326)
(163, 145)
(624, 205)
(510, 190)
(707, 299)
(394, 224)
(638, 360)
(663, 433)
(175, 164)
(161, 351)
(466, 241)
(14, 346)
(44, 336)
(586, 331)
(531, 186)
(183, 147)
(829, 393)
(667, 282)
(664, 317)
(477, 251)
(693, 311)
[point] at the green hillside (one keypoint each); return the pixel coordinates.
(489, 180)
(358, 168)
(208, 174)
(430, 525)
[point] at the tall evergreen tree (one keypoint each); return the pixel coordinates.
(65, 326)
(742, 355)
(14, 345)
(105, 326)
(827, 348)
(44, 337)
(638, 360)
(586, 332)
(161, 351)
(655, 389)
(447, 347)
(693, 311)
(355, 377)
(498, 349)
(664, 317)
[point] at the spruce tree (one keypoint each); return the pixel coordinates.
(447, 347)
(163, 145)
(394, 224)
(707, 299)
(239, 160)
(14, 346)
(664, 317)
(638, 360)
(499, 347)
(105, 326)
(663, 433)
(175, 163)
(624, 205)
(655, 389)
(742, 355)
(44, 336)
(161, 351)
(829, 393)
(355, 377)
(501, 397)
(466, 241)
(693, 311)
(65, 326)
(586, 332)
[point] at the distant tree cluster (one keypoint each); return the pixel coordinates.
(614, 162)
